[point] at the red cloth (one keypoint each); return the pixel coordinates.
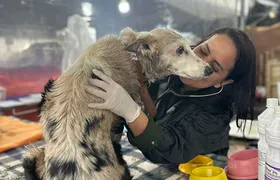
(27, 80)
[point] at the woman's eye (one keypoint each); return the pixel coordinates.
(180, 50)
(203, 52)
(214, 68)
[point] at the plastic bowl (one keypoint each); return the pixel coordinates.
(198, 161)
(243, 164)
(208, 173)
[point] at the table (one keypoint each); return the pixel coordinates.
(140, 167)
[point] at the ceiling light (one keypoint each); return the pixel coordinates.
(87, 8)
(124, 6)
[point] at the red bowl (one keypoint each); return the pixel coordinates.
(243, 164)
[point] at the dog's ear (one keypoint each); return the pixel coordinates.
(127, 36)
(144, 41)
(133, 47)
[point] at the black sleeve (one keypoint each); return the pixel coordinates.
(179, 139)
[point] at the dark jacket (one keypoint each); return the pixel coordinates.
(185, 126)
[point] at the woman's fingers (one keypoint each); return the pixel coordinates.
(99, 83)
(95, 92)
(102, 76)
(97, 105)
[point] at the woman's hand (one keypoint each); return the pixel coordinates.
(116, 99)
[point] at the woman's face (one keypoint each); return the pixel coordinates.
(220, 52)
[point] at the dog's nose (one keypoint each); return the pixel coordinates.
(208, 71)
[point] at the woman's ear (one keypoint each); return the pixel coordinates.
(224, 83)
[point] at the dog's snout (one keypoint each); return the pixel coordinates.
(208, 71)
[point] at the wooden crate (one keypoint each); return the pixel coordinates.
(272, 76)
(262, 61)
(267, 42)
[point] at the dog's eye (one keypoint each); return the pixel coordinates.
(145, 46)
(180, 50)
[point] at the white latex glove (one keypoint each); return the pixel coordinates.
(116, 97)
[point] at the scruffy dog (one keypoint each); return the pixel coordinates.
(78, 142)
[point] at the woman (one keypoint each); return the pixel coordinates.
(192, 116)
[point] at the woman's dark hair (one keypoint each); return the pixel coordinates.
(243, 73)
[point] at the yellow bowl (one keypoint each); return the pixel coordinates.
(208, 173)
(194, 163)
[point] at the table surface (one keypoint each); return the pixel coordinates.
(140, 167)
